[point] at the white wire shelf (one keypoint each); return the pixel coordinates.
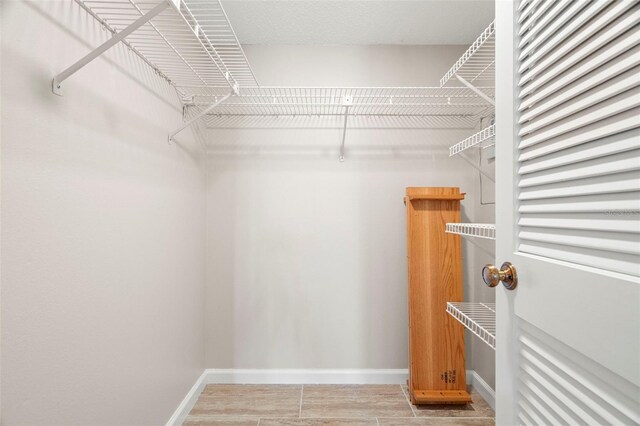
(480, 230)
(451, 106)
(190, 44)
(477, 64)
(480, 318)
(483, 135)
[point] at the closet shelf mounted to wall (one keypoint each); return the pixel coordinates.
(437, 107)
(192, 45)
(476, 67)
(480, 230)
(452, 106)
(473, 140)
(480, 318)
(186, 42)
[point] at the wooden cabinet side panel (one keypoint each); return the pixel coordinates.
(409, 334)
(436, 341)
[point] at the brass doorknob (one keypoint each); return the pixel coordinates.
(507, 274)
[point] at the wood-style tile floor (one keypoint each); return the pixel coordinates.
(323, 405)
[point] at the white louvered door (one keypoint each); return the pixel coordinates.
(568, 211)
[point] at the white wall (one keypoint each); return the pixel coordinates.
(102, 234)
(482, 252)
(306, 255)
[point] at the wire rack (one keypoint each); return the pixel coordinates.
(477, 64)
(480, 318)
(214, 24)
(473, 140)
(192, 45)
(189, 45)
(452, 106)
(480, 230)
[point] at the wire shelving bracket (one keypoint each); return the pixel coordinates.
(480, 230)
(115, 39)
(201, 114)
(479, 318)
(347, 101)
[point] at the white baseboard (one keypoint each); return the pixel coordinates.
(482, 387)
(188, 402)
(308, 376)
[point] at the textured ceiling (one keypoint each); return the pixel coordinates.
(358, 22)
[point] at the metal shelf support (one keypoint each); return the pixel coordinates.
(347, 101)
(202, 113)
(477, 167)
(475, 89)
(56, 84)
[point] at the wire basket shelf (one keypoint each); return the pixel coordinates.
(451, 106)
(479, 318)
(478, 138)
(477, 64)
(191, 44)
(480, 230)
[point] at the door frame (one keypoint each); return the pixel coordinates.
(506, 202)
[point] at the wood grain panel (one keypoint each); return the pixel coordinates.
(436, 340)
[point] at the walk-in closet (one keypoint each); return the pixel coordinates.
(306, 212)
